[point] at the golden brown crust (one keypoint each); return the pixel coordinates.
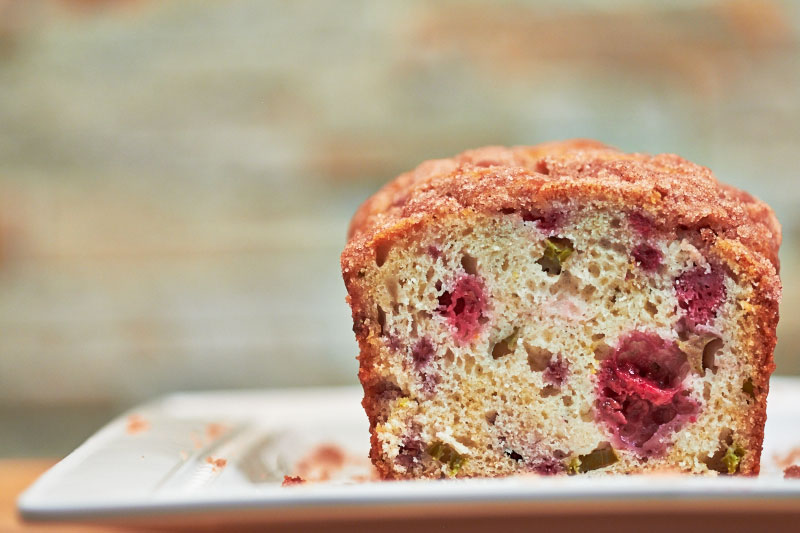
(676, 192)
(761, 330)
(679, 197)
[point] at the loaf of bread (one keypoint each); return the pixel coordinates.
(563, 309)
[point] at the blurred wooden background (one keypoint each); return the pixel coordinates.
(176, 177)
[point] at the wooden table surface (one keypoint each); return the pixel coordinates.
(17, 474)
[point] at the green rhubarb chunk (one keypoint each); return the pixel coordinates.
(732, 458)
(556, 251)
(455, 463)
(700, 350)
(445, 454)
(506, 346)
(599, 458)
(573, 466)
(436, 450)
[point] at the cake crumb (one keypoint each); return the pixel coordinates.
(289, 481)
(215, 430)
(789, 459)
(136, 424)
(792, 472)
(330, 461)
(322, 462)
(217, 463)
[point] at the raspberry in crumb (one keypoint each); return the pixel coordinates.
(647, 256)
(463, 307)
(700, 294)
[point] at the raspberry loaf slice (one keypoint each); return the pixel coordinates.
(563, 309)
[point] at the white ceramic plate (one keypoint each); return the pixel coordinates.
(225, 453)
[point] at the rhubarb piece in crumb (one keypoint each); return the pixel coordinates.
(557, 250)
(445, 454)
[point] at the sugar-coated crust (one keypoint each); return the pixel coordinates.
(681, 198)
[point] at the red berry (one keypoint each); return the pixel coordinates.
(700, 294)
(648, 257)
(463, 307)
(641, 224)
(639, 390)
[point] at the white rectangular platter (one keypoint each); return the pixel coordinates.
(224, 454)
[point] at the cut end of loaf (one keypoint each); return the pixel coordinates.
(563, 343)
